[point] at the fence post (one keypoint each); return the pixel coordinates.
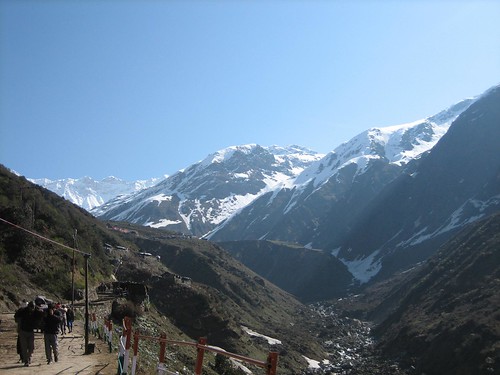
(136, 349)
(128, 339)
(272, 362)
(199, 356)
(161, 358)
(110, 338)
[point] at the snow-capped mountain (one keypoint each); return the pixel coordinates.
(332, 190)
(197, 199)
(391, 196)
(396, 145)
(456, 184)
(89, 193)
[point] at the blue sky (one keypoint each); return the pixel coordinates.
(139, 89)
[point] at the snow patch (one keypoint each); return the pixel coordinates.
(162, 223)
(365, 268)
(270, 340)
(311, 362)
(161, 198)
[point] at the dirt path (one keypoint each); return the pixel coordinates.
(72, 359)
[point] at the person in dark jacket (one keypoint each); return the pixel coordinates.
(51, 325)
(28, 318)
(70, 318)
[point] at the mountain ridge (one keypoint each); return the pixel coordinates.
(89, 193)
(196, 199)
(450, 187)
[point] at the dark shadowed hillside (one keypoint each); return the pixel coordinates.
(443, 316)
(448, 321)
(310, 275)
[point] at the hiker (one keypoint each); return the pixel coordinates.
(62, 324)
(51, 325)
(18, 329)
(70, 318)
(28, 319)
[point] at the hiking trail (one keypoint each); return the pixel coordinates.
(72, 359)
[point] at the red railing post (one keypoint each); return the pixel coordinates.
(199, 357)
(128, 338)
(136, 350)
(136, 343)
(161, 370)
(163, 345)
(272, 363)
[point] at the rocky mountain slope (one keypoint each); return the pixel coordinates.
(442, 316)
(283, 188)
(387, 213)
(197, 199)
(333, 190)
(455, 184)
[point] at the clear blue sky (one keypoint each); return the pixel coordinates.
(139, 89)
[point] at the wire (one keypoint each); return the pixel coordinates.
(45, 238)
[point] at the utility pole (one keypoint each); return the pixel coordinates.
(87, 256)
(73, 272)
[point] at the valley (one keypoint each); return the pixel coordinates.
(379, 257)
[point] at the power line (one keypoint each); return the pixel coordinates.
(86, 256)
(45, 238)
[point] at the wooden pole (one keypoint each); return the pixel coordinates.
(73, 274)
(272, 362)
(202, 341)
(87, 256)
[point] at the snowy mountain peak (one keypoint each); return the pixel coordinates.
(206, 193)
(398, 144)
(89, 193)
(227, 153)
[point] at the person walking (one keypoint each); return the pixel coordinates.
(62, 325)
(28, 318)
(18, 329)
(70, 318)
(51, 325)
(60, 311)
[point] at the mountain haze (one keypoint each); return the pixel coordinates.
(89, 193)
